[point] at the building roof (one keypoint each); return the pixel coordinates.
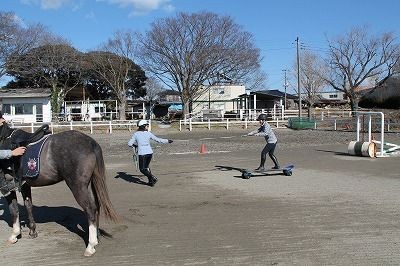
(25, 93)
(169, 92)
(271, 94)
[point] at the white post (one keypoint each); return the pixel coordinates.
(245, 123)
(227, 123)
(91, 127)
(255, 103)
(382, 132)
(116, 111)
(180, 125)
(369, 128)
(110, 127)
(52, 128)
(334, 125)
(32, 129)
(274, 112)
(358, 127)
(190, 124)
(70, 125)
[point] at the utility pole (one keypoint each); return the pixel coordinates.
(298, 74)
(285, 85)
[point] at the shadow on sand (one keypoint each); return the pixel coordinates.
(254, 174)
(130, 178)
(71, 218)
(335, 152)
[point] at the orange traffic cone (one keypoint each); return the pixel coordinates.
(203, 149)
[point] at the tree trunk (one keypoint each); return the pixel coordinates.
(185, 107)
(121, 110)
(354, 104)
(55, 103)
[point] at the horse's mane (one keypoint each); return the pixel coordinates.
(5, 132)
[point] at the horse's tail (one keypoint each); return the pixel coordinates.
(100, 187)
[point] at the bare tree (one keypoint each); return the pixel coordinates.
(357, 58)
(153, 88)
(312, 71)
(16, 39)
(256, 80)
(57, 65)
(188, 51)
(115, 66)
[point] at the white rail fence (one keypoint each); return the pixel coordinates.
(227, 123)
(91, 126)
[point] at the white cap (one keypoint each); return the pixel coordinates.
(142, 123)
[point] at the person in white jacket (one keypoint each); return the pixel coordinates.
(265, 131)
(141, 139)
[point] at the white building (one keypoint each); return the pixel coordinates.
(332, 95)
(86, 110)
(26, 105)
(219, 97)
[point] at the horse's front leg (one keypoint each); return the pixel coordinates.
(14, 212)
(27, 194)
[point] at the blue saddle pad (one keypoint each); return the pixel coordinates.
(31, 159)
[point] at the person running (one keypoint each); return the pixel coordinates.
(265, 131)
(141, 139)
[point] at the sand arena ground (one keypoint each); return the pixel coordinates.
(335, 209)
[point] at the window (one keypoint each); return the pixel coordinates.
(23, 108)
(98, 109)
(19, 109)
(219, 91)
(6, 108)
(331, 96)
(28, 109)
(76, 110)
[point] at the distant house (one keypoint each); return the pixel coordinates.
(168, 104)
(385, 96)
(330, 98)
(219, 97)
(26, 105)
(266, 99)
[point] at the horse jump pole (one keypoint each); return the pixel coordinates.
(381, 153)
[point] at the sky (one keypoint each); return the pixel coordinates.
(274, 24)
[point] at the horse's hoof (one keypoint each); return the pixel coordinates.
(89, 253)
(11, 241)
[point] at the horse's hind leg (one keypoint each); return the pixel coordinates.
(86, 199)
(14, 212)
(27, 195)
